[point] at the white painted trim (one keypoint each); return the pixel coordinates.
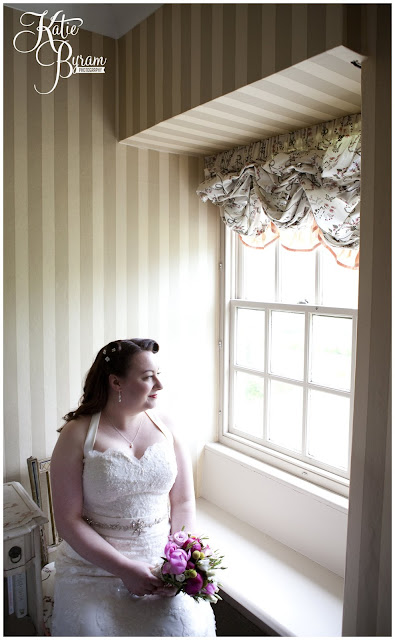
(229, 428)
(300, 515)
(331, 498)
(232, 296)
(277, 459)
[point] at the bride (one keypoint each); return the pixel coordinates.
(121, 482)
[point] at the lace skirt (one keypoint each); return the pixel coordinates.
(91, 602)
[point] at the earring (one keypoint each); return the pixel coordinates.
(119, 396)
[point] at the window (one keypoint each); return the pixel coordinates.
(289, 358)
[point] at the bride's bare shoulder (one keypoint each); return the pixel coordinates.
(67, 458)
(74, 431)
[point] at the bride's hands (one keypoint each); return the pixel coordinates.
(166, 590)
(139, 579)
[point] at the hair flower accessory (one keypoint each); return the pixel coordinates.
(190, 565)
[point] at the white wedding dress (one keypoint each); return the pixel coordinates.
(126, 501)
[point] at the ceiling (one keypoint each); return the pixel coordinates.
(113, 20)
(320, 89)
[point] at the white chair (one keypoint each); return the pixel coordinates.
(40, 483)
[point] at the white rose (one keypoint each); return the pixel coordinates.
(204, 564)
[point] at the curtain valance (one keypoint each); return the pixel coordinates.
(303, 187)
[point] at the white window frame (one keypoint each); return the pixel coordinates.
(325, 477)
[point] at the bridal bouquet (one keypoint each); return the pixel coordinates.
(190, 566)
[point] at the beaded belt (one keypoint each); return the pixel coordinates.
(123, 525)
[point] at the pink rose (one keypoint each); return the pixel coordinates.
(171, 546)
(180, 537)
(210, 588)
(177, 560)
(188, 541)
(193, 585)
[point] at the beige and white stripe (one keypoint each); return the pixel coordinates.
(98, 238)
(190, 58)
(64, 265)
(48, 254)
(323, 88)
(73, 230)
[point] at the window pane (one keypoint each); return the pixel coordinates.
(287, 344)
(250, 338)
(328, 428)
(339, 284)
(297, 282)
(331, 352)
(285, 415)
(259, 273)
(249, 404)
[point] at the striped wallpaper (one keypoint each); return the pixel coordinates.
(103, 240)
(367, 593)
(322, 88)
(185, 55)
(100, 241)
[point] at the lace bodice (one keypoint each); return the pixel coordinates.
(126, 499)
(119, 485)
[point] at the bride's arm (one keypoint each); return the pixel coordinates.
(66, 481)
(182, 494)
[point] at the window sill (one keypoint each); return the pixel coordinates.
(277, 586)
(306, 518)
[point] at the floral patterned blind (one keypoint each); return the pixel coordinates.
(302, 187)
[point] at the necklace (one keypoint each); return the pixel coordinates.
(130, 442)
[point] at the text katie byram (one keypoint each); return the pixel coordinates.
(56, 35)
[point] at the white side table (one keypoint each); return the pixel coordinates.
(22, 553)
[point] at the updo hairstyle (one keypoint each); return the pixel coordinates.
(115, 358)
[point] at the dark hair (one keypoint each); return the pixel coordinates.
(114, 358)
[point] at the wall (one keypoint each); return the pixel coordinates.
(100, 241)
(61, 297)
(367, 600)
(187, 54)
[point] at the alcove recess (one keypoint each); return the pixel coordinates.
(320, 89)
